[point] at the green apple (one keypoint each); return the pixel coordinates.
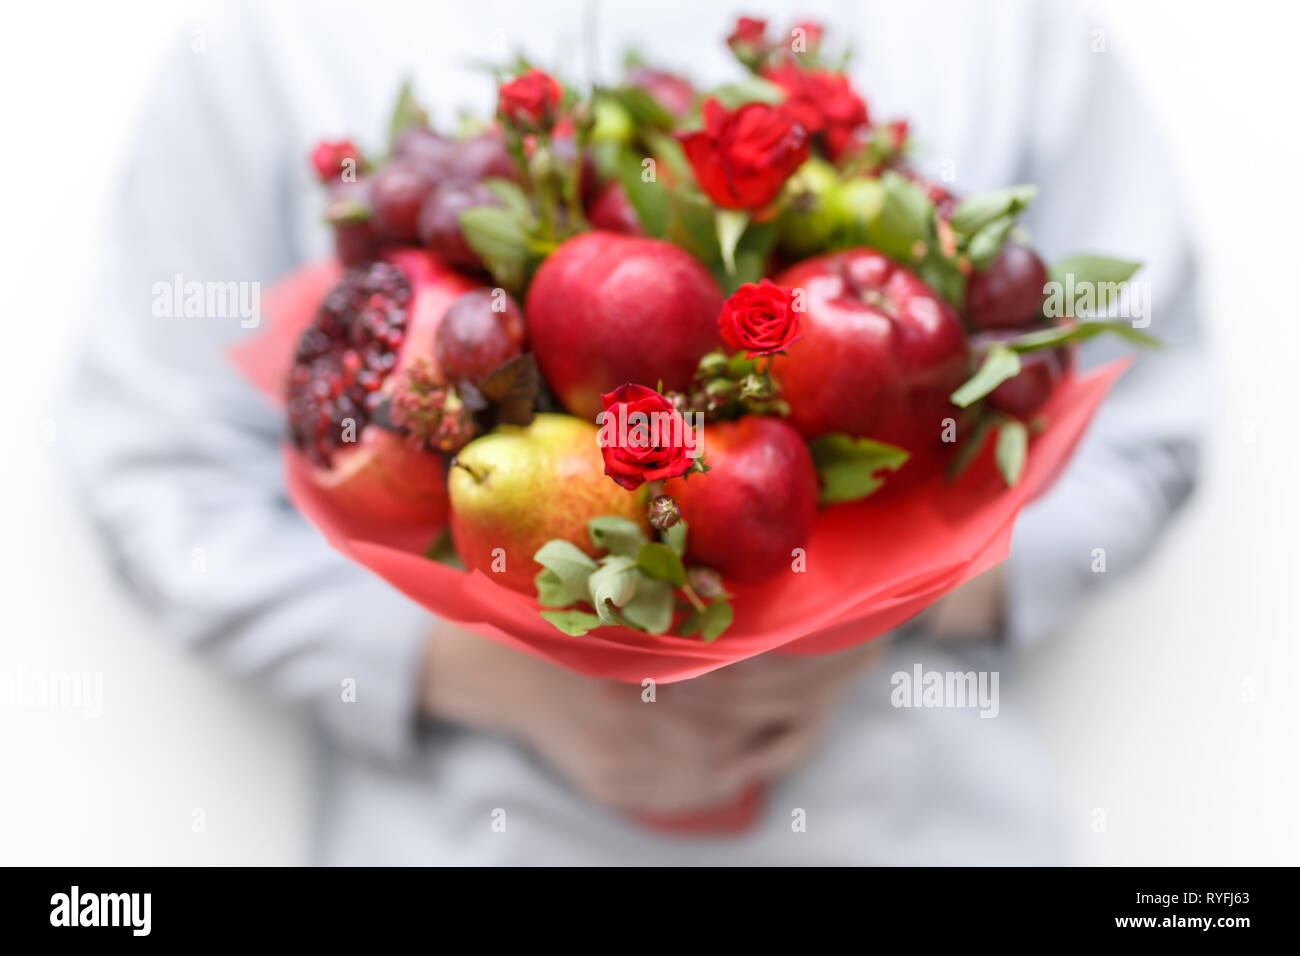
(518, 487)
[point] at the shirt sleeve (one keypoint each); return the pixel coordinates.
(1105, 187)
(176, 460)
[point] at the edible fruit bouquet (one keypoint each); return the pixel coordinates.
(647, 380)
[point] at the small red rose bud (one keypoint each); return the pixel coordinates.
(531, 101)
(748, 41)
(663, 512)
(329, 159)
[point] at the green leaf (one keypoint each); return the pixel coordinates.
(500, 238)
(1089, 268)
(675, 538)
(616, 535)
(985, 245)
(570, 564)
(553, 592)
(614, 582)
(1000, 364)
(752, 89)
(649, 200)
(511, 196)
(1011, 450)
(651, 608)
(1079, 332)
(970, 447)
(689, 223)
(666, 149)
(1099, 278)
(975, 212)
(849, 466)
(406, 114)
(717, 617)
(904, 219)
(730, 224)
(573, 623)
(644, 110)
(661, 562)
(942, 275)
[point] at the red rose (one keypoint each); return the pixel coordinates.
(812, 34)
(897, 131)
(748, 30)
(742, 159)
(822, 102)
(748, 41)
(760, 318)
(329, 156)
(643, 437)
(531, 100)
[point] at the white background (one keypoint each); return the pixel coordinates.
(1169, 708)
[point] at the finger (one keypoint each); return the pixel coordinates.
(781, 751)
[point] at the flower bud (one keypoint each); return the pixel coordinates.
(663, 512)
(713, 365)
(705, 582)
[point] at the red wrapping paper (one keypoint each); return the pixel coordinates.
(870, 565)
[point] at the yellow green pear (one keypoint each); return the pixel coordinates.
(520, 486)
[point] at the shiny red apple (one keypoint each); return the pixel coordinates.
(880, 354)
(606, 309)
(755, 504)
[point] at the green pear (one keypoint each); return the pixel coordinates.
(810, 213)
(518, 487)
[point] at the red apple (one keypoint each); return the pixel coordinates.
(880, 354)
(755, 504)
(606, 309)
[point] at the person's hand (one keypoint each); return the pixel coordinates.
(781, 703)
(973, 611)
(699, 744)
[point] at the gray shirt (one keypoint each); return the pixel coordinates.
(176, 457)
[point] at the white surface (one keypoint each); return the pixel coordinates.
(1168, 707)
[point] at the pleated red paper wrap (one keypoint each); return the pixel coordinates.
(870, 565)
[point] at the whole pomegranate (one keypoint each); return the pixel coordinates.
(755, 504)
(880, 354)
(369, 333)
(606, 309)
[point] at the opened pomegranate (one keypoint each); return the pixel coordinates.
(372, 330)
